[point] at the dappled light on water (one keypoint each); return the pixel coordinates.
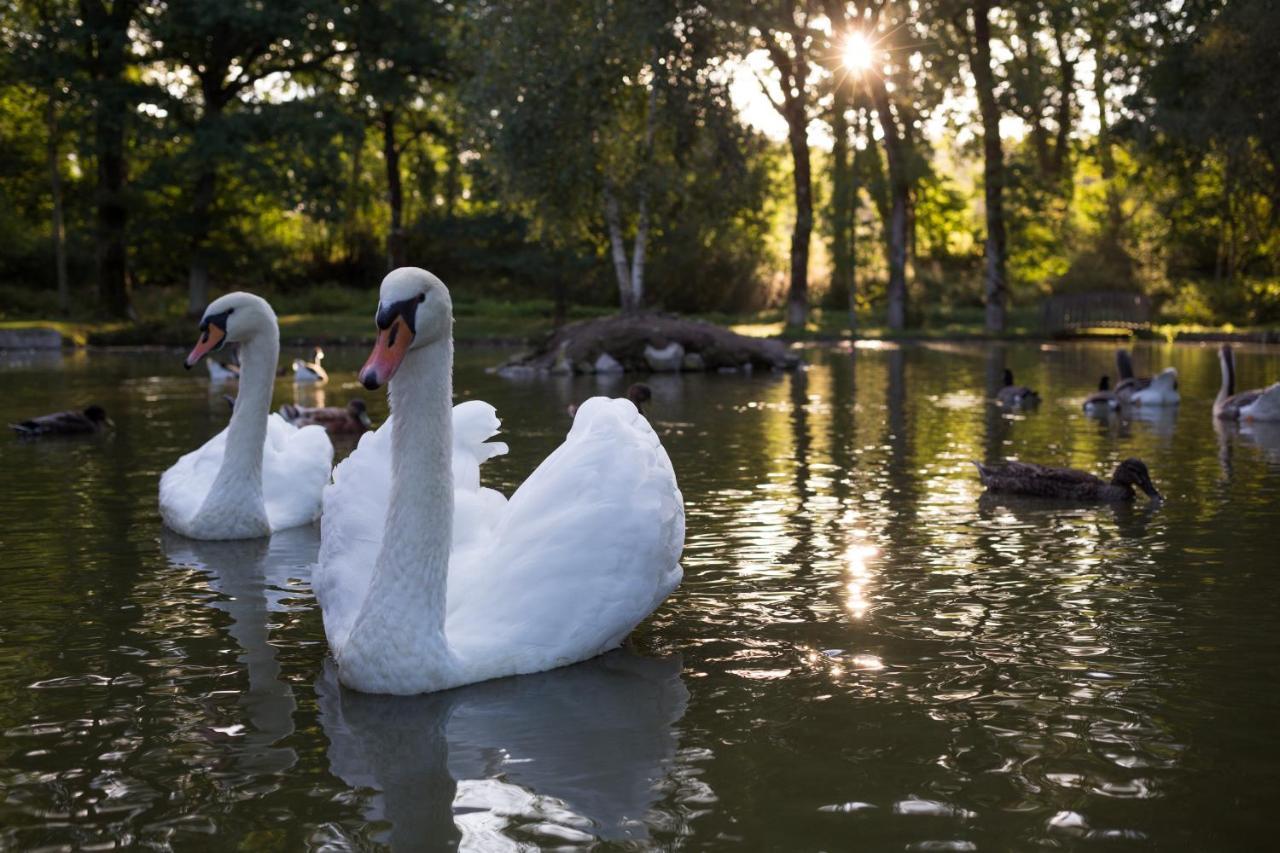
(864, 644)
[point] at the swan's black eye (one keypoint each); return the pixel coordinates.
(422, 297)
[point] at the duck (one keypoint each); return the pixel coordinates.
(1160, 390)
(1102, 400)
(309, 372)
(261, 474)
(352, 418)
(428, 581)
(91, 419)
(1015, 395)
(638, 393)
(1026, 478)
(1260, 404)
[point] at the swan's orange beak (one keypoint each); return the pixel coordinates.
(390, 349)
(209, 341)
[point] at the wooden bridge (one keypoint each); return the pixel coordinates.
(1074, 312)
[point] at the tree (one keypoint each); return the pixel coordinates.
(786, 32)
(585, 116)
(994, 276)
(105, 41)
(228, 48)
(400, 53)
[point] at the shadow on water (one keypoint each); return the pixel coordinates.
(565, 756)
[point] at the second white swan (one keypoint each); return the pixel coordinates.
(433, 582)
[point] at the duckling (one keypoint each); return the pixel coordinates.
(1016, 395)
(1260, 404)
(1102, 400)
(308, 372)
(92, 419)
(1025, 478)
(354, 418)
(638, 393)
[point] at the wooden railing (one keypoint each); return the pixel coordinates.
(1069, 312)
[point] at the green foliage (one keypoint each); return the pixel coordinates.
(254, 141)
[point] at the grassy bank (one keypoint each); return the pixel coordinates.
(337, 320)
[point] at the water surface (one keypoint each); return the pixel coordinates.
(864, 654)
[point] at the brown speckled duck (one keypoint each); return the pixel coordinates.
(92, 419)
(1016, 395)
(1026, 478)
(351, 420)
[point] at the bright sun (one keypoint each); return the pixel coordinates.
(857, 52)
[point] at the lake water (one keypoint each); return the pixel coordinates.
(863, 654)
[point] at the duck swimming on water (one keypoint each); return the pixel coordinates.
(1026, 478)
(1016, 395)
(352, 418)
(1102, 400)
(92, 419)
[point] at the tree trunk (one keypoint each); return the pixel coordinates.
(106, 61)
(996, 287)
(1105, 158)
(1067, 69)
(613, 219)
(798, 296)
(202, 202)
(395, 192)
(841, 203)
(112, 215)
(638, 253)
(351, 222)
(899, 190)
(55, 188)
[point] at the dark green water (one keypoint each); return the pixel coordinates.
(863, 654)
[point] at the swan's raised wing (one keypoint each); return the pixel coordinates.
(295, 468)
(589, 545)
(356, 504)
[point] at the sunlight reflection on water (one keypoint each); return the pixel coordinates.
(863, 643)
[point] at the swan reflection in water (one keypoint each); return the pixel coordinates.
(255, 578)
(563, 756)
(1263, 435)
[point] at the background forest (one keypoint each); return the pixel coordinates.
(891, 160)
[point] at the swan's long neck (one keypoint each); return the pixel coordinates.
(1227, 358)
(398, 643)
(236, 494)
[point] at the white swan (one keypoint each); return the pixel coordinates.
(260, 474)
(423, 590)
(1260, 404)
(310, 372)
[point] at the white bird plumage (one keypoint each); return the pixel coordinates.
(1259, 404)
(427, 580)
(260, 474)
(1162, 390)
(310, 372)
